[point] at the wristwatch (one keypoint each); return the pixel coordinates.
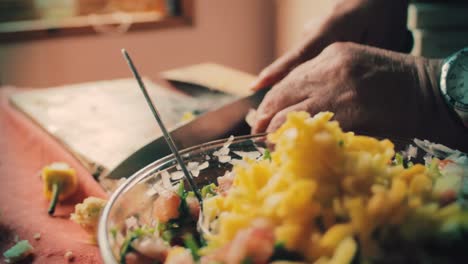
(454, 84)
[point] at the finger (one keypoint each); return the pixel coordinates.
(309, 105)
(281, 96)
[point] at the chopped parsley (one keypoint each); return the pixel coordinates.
(192, 245)
(341, 143)
(281, 253)
(113, 232)
(208, 190)
(127, 244)
(267, 155)
(398, 160)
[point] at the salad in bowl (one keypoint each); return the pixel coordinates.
(308, 193)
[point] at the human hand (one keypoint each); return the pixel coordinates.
(379, 23)
(371, 91)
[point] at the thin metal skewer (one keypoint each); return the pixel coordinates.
(166, 134)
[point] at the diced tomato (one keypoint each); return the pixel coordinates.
(225, 182)
(166, 206)
(255, 243)
(194, 207)
(154, 248)
(179, 255)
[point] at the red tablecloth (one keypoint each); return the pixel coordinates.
(24, 149)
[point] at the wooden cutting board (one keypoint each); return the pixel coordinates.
(102, 123)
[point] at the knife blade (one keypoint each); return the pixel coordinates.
(217, 124)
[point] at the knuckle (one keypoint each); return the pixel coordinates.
(336, 47)
(342, 57)
(340, 50)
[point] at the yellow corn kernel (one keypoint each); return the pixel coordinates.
(448, 210)
(377, 188)
(397, 193)
(414, 202)
(357, 211)
(376, 207)
(231, 224)
(289, 234)
(420, 184)
(298, 197)
(345, 251)
(409, 173)
(334, 236)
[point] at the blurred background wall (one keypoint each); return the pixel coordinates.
(290, 18)
(243, 34)
(236, 33)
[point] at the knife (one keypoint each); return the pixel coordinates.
(217, 124)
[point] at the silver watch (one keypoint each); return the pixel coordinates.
(454, 83)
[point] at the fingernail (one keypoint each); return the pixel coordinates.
(255, 85)
(260, 116)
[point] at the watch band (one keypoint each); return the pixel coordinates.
(458, 108)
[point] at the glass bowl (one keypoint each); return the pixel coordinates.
(133, 200)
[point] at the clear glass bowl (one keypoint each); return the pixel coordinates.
(136, 195)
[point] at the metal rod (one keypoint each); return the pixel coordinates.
(166, 134)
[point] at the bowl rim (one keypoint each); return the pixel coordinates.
(102, 234)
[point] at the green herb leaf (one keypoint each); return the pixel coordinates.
(181, 190)
(341, 143)
(281, 253)
(247, 260)
(267, 155)
(398, 160)
(192, 245)
(433, 168)
(127, 244)
(208, 190)
(113, 232)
